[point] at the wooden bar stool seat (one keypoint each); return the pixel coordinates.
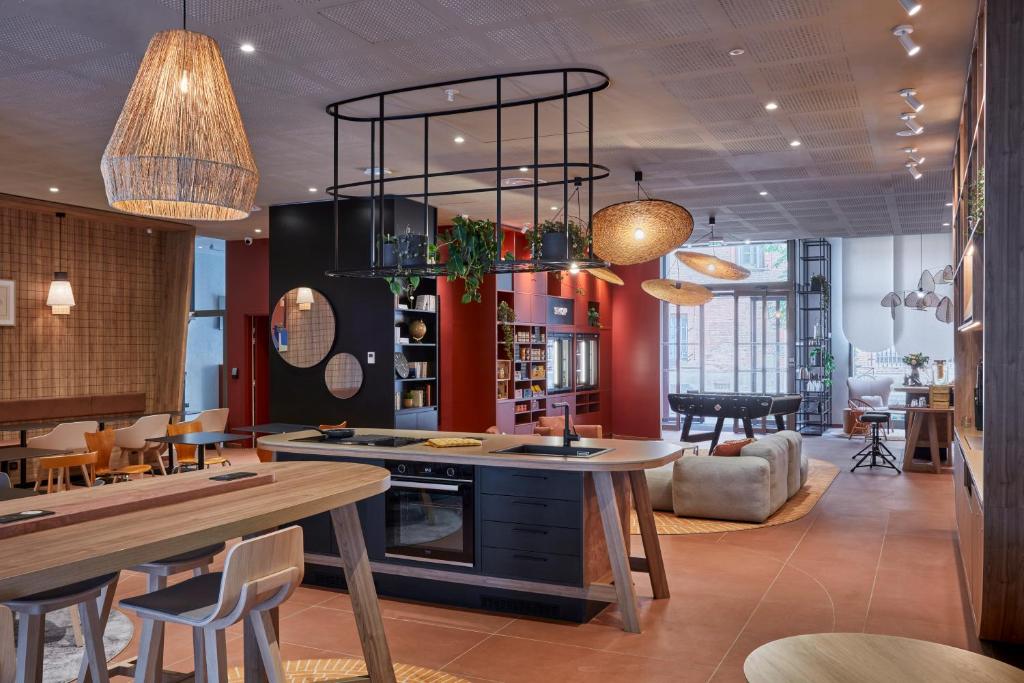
(58, 468)
(259, 574)
(32, 610)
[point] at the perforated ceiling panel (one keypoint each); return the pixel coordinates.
(44, 40)
(747, 13)
(220, 11)
(377, 21)
(652, 21)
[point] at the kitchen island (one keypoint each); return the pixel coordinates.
(540, 535)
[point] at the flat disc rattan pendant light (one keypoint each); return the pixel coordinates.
(709, 264)
(606, 275)
(678, 293)
(179, 148)
(640, 230)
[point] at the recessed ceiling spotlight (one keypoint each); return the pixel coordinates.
(911, 152)
(737, 51)
(914, 173)
(149, 231)
(909, 95)
(375, 171)
(913, 127)
(746, 241)
(763, 193)
(911, 6)
(945, 225)
(771, 106)
(794, 143)
(516, 182)
(523, 169)
(458, 139)
(54, 189)
(312, 189)
(902, 33)
(247, 47)
(554, 208)
(949, 204)
(450, 93)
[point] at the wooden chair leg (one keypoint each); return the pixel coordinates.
(85, 475)
(216, 655)
(30, 648)
(270, 650)
(148, 665)
(76, 628)
(104, 605)
(8, 653)
(93, 629)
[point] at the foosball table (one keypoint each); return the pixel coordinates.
(721, 406)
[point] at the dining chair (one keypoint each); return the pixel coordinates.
(5, 481)
(259, 574)
(214, 420)
(59, 467)
(102, 443)
(132, 440)
(185, 455)
(67, 436)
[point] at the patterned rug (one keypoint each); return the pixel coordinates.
(315, 670)
(820, 475)
(61, 657)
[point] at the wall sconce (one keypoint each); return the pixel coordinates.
(304, 298)
(60, 298)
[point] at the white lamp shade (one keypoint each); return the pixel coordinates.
(60, 297)
(304, 298)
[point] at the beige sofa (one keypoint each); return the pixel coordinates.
(746, 488)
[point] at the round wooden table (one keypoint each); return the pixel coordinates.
(869, 658)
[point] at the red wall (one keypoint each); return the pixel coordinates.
(248, 293)
(636, 340)
(468, 337)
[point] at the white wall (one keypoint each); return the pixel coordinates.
(840, 344)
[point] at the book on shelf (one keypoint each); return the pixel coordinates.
(426, 302)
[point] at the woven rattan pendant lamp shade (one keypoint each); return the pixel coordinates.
(712, 266)
(678, 293)
(641, 230)
(606, 275)
(179, 148)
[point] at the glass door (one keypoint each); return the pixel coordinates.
(559, 363)
(762, 344)
(587, 361)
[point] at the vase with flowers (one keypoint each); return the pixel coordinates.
(915, 361)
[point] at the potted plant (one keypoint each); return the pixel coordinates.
(916, 361)
(820, 283)
(548, 241)
(594, 317)
(507, 318)
(412, 248)
(472, 250)
(389, 252)
(404, 285)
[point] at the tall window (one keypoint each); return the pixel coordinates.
(739, 341)
(204, 350)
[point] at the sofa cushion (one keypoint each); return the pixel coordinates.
(775, 450)
(735, 489)
(731, 449)
(659, 484)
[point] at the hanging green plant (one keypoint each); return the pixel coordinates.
(472, 250)
(976, 203)
(579, 241)
(403, 285)
(828, 366)
(507, 317)
(820, 283)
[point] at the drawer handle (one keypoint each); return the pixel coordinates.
(531, 558)
(522, 530)
(529, 502)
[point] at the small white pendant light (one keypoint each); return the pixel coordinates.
(60, 298)
(304, 298)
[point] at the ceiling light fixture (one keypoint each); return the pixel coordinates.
(523, 169)
(737, 51)
(795, 143)
(678, 293)
(771, 106)
(640, 230)
(912, 7)
(247, 47)
(949, 204)
(181, 153)
(911, 152)
(304, 298)
(54, 189)
(763, 193)
(450, 93)
(913, 127)
(606, 275)
(710, 264)
(945, 225)
(914, 173)
(312, 189)
(902, 33)
(574, 268)
(458, 139)
(60, 298)
(375, 171)
(258, 230)
(909, 96)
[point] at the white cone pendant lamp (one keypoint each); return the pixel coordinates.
(60, 298)
(179, 148)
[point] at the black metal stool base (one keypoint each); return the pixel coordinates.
(875, 453)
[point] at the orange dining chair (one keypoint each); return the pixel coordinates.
(185, 455)
(58, 468)
(102, 443)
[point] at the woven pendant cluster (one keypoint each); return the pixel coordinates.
(179, 148)
(639, 231)
(712, 266)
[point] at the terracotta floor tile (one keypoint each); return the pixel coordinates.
(957, 635)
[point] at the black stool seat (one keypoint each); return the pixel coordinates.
(875, 453)
(874, 417)
(66, 591)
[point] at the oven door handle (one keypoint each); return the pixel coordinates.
(423, 485)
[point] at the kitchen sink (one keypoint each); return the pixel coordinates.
(570, 452)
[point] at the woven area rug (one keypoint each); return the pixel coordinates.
(820, 475)
(61, 657)
(314, 670)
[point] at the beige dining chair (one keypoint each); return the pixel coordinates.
(214, 420)
(67, 436)
(132, 440)
(259, 574)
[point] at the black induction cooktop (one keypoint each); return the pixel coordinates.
(379, 440)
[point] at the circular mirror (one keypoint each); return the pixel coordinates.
(343, 375)
(302, 327)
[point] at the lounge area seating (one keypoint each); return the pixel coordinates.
(749, 487)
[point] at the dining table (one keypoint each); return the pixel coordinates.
(22, 454)
(107, 529)
(198, 439)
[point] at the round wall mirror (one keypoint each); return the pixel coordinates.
(302, 327)
(343, 375)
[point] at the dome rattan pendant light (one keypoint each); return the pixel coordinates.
(179, 148)
(640, 230)
(678, 293)
(709, 264)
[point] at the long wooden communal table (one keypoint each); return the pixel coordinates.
(169, 525)
(624, 461)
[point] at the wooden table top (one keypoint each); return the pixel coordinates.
(626, 454)
(56, 557)
(927, 409)
(26, 452)
(198, 438)
(271, 428)
(869, 658)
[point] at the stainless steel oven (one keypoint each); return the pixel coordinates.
(429, 513)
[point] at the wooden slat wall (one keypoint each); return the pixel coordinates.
(1003, 583)
(131, 279)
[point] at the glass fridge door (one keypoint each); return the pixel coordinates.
(587, 361)
(559, 361)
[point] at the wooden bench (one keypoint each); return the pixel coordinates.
(47, 411)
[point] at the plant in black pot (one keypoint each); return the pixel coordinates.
(820, 283)
(472, 250)
(389, 252)
(412, 248)
(548, 241)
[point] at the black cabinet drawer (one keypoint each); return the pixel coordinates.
(530, 566)
(533, 483)
(525, 510)
(541, 539)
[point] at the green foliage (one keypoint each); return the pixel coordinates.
(916, 360)
(828, 367)
(976, 203)
(594, 317)
(400, 285)
(507, 317)
(825, 287)
(579, 240)
(472, 250)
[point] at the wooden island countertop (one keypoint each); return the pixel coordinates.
(625, 455)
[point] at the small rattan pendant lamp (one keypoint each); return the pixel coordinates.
(709, 264)
(179, 148)
(640, 231)
(678, 293)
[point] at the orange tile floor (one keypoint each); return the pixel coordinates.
(877, 554)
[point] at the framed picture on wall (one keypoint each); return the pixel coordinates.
(7, 302)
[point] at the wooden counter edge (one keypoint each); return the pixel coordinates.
(972, 442)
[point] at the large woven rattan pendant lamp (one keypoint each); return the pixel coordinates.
(606, 275)
(179, 148)
(678, 293)
(640, 230)
(709, 264)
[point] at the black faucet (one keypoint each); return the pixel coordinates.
(568, 436)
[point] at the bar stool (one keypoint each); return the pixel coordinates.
(32, 611)
(259, 574)
(196, 561)
(877, 451)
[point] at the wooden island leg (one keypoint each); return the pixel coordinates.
(7, 653)
(617, 554)
(933, 442)
(359, 578)
(913, 433)
(649, 534)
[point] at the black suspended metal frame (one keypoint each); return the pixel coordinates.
(583, 171)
